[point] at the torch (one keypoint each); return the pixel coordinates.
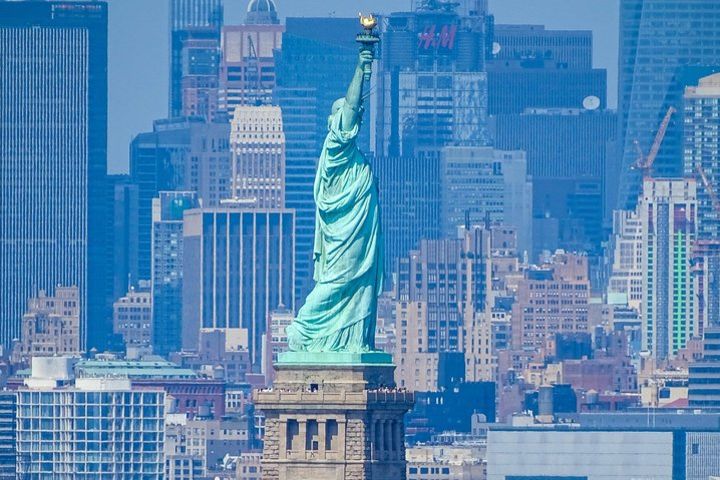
(368, 39)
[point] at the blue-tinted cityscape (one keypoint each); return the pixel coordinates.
(548, 257)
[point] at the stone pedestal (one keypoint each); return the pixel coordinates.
(339, 421)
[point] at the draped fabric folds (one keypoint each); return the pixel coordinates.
(339, 315)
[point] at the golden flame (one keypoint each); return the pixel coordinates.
(367, 21)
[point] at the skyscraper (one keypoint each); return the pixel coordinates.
(441, 287)
(185, 154)
(125, 236)
(441, 276)
(247, 69)
(53, 105)
(668, 212)
(410, 200)
(660, 41)
(431, 92)
(167, 268)
(194, 53)
(701, 121)
(625, 253)
(432, 85)
(570, 48)
(257, 142)
(200, 73)
(566, 151)
(533, 67)
(481, 184)
(238, 268)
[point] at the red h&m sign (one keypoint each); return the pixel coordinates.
(430, 37)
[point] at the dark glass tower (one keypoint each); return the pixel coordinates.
(53, 144)
(566, 151)
(183, 154)
(431, 94)
(238, 269)
(659, 40)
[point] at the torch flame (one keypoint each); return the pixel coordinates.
(367, 21)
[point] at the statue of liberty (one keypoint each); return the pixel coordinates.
(339, 315)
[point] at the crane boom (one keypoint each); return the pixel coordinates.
(708, 186)
(645, 163)
(253, 70)
(659, 137)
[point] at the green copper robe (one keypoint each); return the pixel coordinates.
(339, 314)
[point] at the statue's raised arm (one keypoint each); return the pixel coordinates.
(339, 315)
(353, 99)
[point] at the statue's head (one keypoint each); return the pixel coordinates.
(337, 105)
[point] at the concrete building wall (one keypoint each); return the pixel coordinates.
(627, 255)
(257, 142)
(486, 184)
(591, 455)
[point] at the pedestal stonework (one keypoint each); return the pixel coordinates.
(334, 422)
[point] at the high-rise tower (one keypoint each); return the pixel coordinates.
(195, 27)
(53, 145)
(668, 214)
(167, 268)
(701, 120)
(247, 68)
(257, 142)
(662, 43)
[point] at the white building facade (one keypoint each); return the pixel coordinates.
(89, 428)
(668, 214)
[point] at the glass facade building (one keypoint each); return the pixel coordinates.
(661, 43)
(539, 68)
(167, 269)
(8, 448)
(701, 144)
(183, 154)
(410, 200)
(195, 27)
(481, 184)
(88, 434)
(567, 151)
(432, 85)
(571, 48)
(53, 145)
(238, 269)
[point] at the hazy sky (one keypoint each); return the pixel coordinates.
(139, 48)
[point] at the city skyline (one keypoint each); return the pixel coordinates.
(135, 101)
(423, 247)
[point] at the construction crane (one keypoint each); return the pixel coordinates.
(708, 186)
(253, 72)
(645, 163)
